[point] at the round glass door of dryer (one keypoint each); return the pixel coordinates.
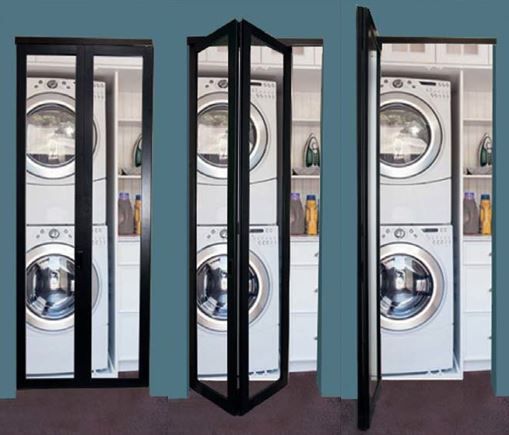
(213, 136)
(411, 286)
(51, 136)
(212, 287)
(50, 287)
(410, 135)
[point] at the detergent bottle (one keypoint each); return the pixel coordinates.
(485, 215)
(311, 216)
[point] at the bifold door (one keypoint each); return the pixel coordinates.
(368, 99)
(84, 120)
(239, 229)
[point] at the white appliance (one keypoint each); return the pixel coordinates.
(50, 300)
(415, 151)
(51, 152)
(212, 153)
(416, 298)
(211, 294)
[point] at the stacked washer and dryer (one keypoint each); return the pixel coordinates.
(211, 275)
(416, 235)
(50, 196)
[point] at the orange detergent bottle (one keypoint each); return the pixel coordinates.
(311, 216)
(485, 215)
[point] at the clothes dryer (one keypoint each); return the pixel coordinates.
(212, 153)
(51, 152)
(415, 151)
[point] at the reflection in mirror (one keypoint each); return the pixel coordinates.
(50, 190)
(211, 215)
(265, 141)
(116, 230)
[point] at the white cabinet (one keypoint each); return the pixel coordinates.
(465, 54)
(303, 304)
(477, 288)
(127, 304)
(408, 53)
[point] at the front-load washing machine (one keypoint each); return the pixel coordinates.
(415, 151)
(212, 152)
(50, 285)
(51, 152)
(211, 296)
(416, 299)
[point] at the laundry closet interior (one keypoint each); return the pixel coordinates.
(84, 151)
(436, 168)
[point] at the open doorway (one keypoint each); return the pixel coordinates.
(426, 152)
(436, 166)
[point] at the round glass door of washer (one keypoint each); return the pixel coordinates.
(212, 287)
(50, 287)
(411, 286)
(50, 136)
(212, 138)
(410, 135)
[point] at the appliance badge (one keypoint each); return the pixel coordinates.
(397, 83)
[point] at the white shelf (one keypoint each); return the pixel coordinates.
(129, 177)
(307, 121)
(478, 176)
(305, 177)
(304, 238)
(130, 238)
(478, 120)
(476, 238)
(129, 121)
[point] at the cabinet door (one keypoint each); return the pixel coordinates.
(303, 56)
(466, 54)
(408, 53)
(477, 336)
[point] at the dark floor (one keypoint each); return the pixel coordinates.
(436, 408)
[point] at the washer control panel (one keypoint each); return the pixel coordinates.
(435, 88)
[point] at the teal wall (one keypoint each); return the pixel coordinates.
(168, 24)
(454, 18)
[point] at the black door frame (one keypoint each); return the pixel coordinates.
(84, 50)
(367, 41)
(237, 401)
(366, 405)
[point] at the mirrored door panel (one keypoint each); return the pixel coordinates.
(50, 165)
(212, 238)
(262, 144)
(117, 176)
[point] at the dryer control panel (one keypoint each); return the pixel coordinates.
(435, 88)
(436, 235)
(261, 236)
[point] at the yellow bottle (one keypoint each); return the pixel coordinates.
(137, 215)
(485, 215)
(311, 216)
